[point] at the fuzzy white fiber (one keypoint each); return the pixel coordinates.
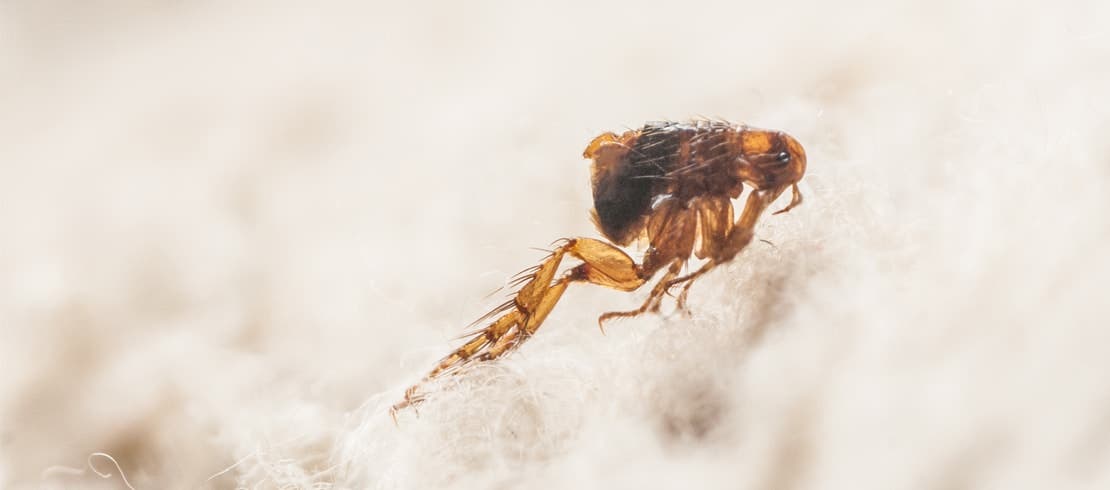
(231, 233)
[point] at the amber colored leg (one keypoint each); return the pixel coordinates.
(738, 238)
(795, 200)
(680, 303)
(652, 302)
(604, 265)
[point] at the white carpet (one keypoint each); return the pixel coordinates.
(231, 235)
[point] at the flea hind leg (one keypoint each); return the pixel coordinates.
(517, 320)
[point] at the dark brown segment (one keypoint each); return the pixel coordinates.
(624, 189)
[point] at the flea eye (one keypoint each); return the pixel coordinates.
(784, 157)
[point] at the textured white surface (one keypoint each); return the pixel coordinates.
(231, 234)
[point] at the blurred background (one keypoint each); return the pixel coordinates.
(232, 232)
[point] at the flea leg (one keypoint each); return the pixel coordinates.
(653, 300)
(738, 238)
(795, 200)
(688, 279)
(603, 264)
(672, 231)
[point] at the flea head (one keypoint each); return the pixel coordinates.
(797, 156)
(777, 156)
